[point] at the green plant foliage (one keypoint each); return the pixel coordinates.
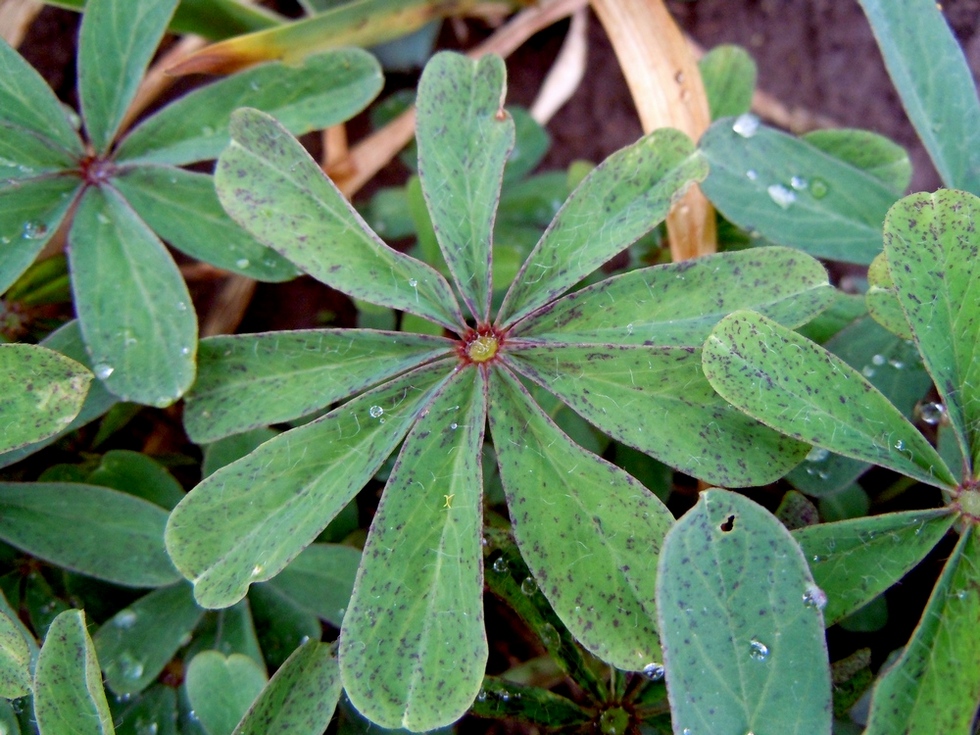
(221, 689)
(320, 580)
(741, 623)
(729, 74)
(882, 301)
(874, 154)
(134, 309)
(15, 659)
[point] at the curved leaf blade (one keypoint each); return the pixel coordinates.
(43, 393)
(834, 211)
(300, 699)
(623, 198)
(320, 580)
(25, 154)
(183, 208)
(856, 560)
(417, 606)
(742, 631)
(269, 184)
(15, 660)
(88, 529)
(464, 137)
(132, 303)
(729, 74)
(589, 532)
(798, 388)
(875, 154)
(245, 522)
(679, 303)
(68, 694)
(221, 689)
(657, 400)
(293, 374)
(933, 253)
(882, 300)
(322, 91)
(934, 686)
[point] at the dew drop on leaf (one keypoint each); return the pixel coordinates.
(758, 650)
(528, 587)
(126, 619)
(878, 359)
(34, 230)
(868, 371)
(500, 565)
(751, 174)
(815, 597)
(376, 412)
(653, 671)
(931, 413)
(817, 454)
(781, 195)
(746, 125)
(242, 263)
(818, 187)
(130, 667)
(102, 370)
(799, 183)
(549, 636)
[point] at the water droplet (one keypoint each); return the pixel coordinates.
(181, 306)
(746, 125)
(376, 412)
(413, 283)
(931, 413)
(549, 636)
(799, 183)
(629, 329)
(146, 728)
(454, 426)
(528, 587)
(242, 263)
(900, 445)
(257, 570)
(102, 371)
(504, 696)
(815, 597)
(818, 187)
(185, 350)
(878, 359)
(897, 364)
(781, 195)
(687, 731)
(130, 666)
(482, 696)
(653, 672)
(34, 230)
(125, 619)
(500, 565)
(73, 119)
(751, 174)
(961, 595)
(817, 454)
(868, 371)
(758, 650)
(255, 86)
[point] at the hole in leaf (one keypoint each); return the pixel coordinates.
(728, 525)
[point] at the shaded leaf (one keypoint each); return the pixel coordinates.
(589, 532)
(15, 660)
(506, 700)
(856, 560)
(801, 390)
(623, 198)
(280, 624)
(137, 642)
(875, 154)
(42, 392)
(423, 551)
(293, 374)
(300, 699)
(225, 451)
(678, 304)
(320, 580)
(183, 208)
(88, 529)
(464, 137)
(657, 400)
(116, 41)
(935, 685)
(322, 91)
(933, 253)
(25, 154)
(741, 625)
(152, 712)
(221, 689)
(132, 304)
(245, 522)
(882, 299)
(137, 474)
(729, 75)
(68, 694)
(270, 185)
(792, 193)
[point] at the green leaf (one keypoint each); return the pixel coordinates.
(729, 75)
(137, 642)
(623, 198)
(656, 399)
(131, 301)
(875, 154)
(741, 626)
(183, 208)
(464, 137)
(231, 630)
(221, 689)
(856, 560)
(589, 532)
(25, 154)
(137, 474)
(116, 41)
(92, 530)
(320, 580)
(935, 686)
(505, 700)
(231, 448)
(933, 254)
(322, 91)
(929, 71)
(42, 392)
(882, 299)
(26, 101)
(280, 624)
(270, 185)
(417, 606)
(245, 522)
(291, 374)
(792, 193)
(800, 389)
(678, 304)
(153, 712)
(15, 660)
(68, 694)
(300, 699)
(31, 211)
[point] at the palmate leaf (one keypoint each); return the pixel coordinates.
(25, 154)
(882, 299)
(319, 581)
(417, 606)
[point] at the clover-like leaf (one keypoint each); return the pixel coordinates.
(874, 154)
(882, 299)
(221, 689)
(800, 389)
(933, 253)
(729, 74)
(740, 622)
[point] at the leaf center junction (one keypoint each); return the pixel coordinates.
(480, 345)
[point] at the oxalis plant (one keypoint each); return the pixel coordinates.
(624, 353)
(120, 196)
